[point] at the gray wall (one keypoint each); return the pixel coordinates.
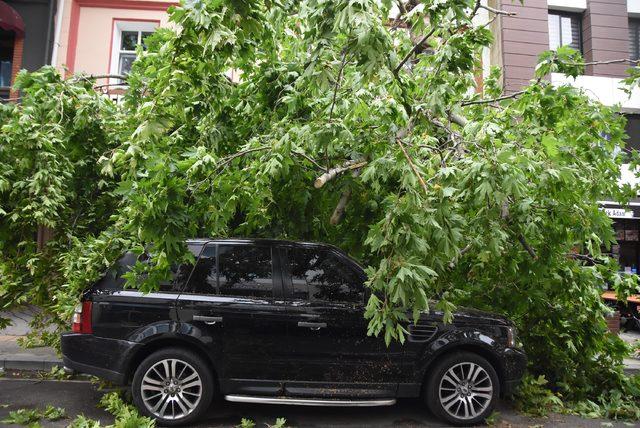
(605, 36)
(38, 38)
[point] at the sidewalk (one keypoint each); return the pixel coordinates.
(13, 357)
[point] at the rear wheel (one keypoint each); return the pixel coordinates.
(173, 386)
(462, 389)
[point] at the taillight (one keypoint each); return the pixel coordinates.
(82, 318)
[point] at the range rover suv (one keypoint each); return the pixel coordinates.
(278, 322)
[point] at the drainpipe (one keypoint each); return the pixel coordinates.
(49, 24)
(56, 38)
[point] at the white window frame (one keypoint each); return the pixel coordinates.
(118, 28)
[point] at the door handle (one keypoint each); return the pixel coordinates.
(207, 320)
(312, 325)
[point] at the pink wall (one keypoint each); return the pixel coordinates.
(87, 30)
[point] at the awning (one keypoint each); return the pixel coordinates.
(10, 20)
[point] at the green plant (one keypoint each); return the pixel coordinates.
(280, 423)
(32, 417)
(246, 423)
(56, 373)
(126, 416)
(22, 417)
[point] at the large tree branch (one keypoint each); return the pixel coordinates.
(338, 212)
(334, 172)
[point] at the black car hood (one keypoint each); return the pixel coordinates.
(464, 315)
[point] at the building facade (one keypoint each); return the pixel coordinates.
(99, 37)
(26, 38)
(604, 31)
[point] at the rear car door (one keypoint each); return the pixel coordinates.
(233, 304)
(128, 313)
(331, 354)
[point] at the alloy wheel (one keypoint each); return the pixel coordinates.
(465, 390)
(171, 389)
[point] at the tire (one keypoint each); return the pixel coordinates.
(472, 402)
(187, 396)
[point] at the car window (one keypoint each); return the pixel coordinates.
(113, 278)
(245, 271)
(320, 275)
(203, 280)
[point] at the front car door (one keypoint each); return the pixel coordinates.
(331, 354)
(233, 304)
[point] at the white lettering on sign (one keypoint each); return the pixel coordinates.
(618, 212)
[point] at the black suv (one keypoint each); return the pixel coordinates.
(265, 321)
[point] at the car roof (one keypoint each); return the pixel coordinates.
(263, 241)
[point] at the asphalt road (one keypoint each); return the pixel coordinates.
(79, 397)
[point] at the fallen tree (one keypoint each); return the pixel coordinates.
(343, 128)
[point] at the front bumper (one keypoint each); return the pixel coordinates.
(515, 364)
(99, 356)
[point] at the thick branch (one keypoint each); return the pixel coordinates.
(338, 212)
(334, 172)
(460, 120)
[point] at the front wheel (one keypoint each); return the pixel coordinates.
(462, 389)
(172, 386)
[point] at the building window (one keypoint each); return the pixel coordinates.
(127, 36)
(634, 38)
(565, 29)
(6, 57)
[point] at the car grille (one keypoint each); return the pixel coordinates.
(421, 332)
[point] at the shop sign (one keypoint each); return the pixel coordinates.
(618, 213)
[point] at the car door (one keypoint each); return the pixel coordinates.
(233, 304)
(331, 354)
(129, 313)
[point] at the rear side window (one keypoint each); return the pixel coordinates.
(233, 270)
(320, 275)
(245, 271)
(113, 280)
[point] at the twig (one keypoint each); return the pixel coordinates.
(310, 159)
(413, 167)
(97, 76)
(527, 247)
(493, 100)
(497, 11)
(337, 85)
(225, 161)
(413, 50)
(611, 61)
(334, 172)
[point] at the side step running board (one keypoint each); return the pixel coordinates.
(310, 401)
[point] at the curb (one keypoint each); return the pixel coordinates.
(29, 363)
